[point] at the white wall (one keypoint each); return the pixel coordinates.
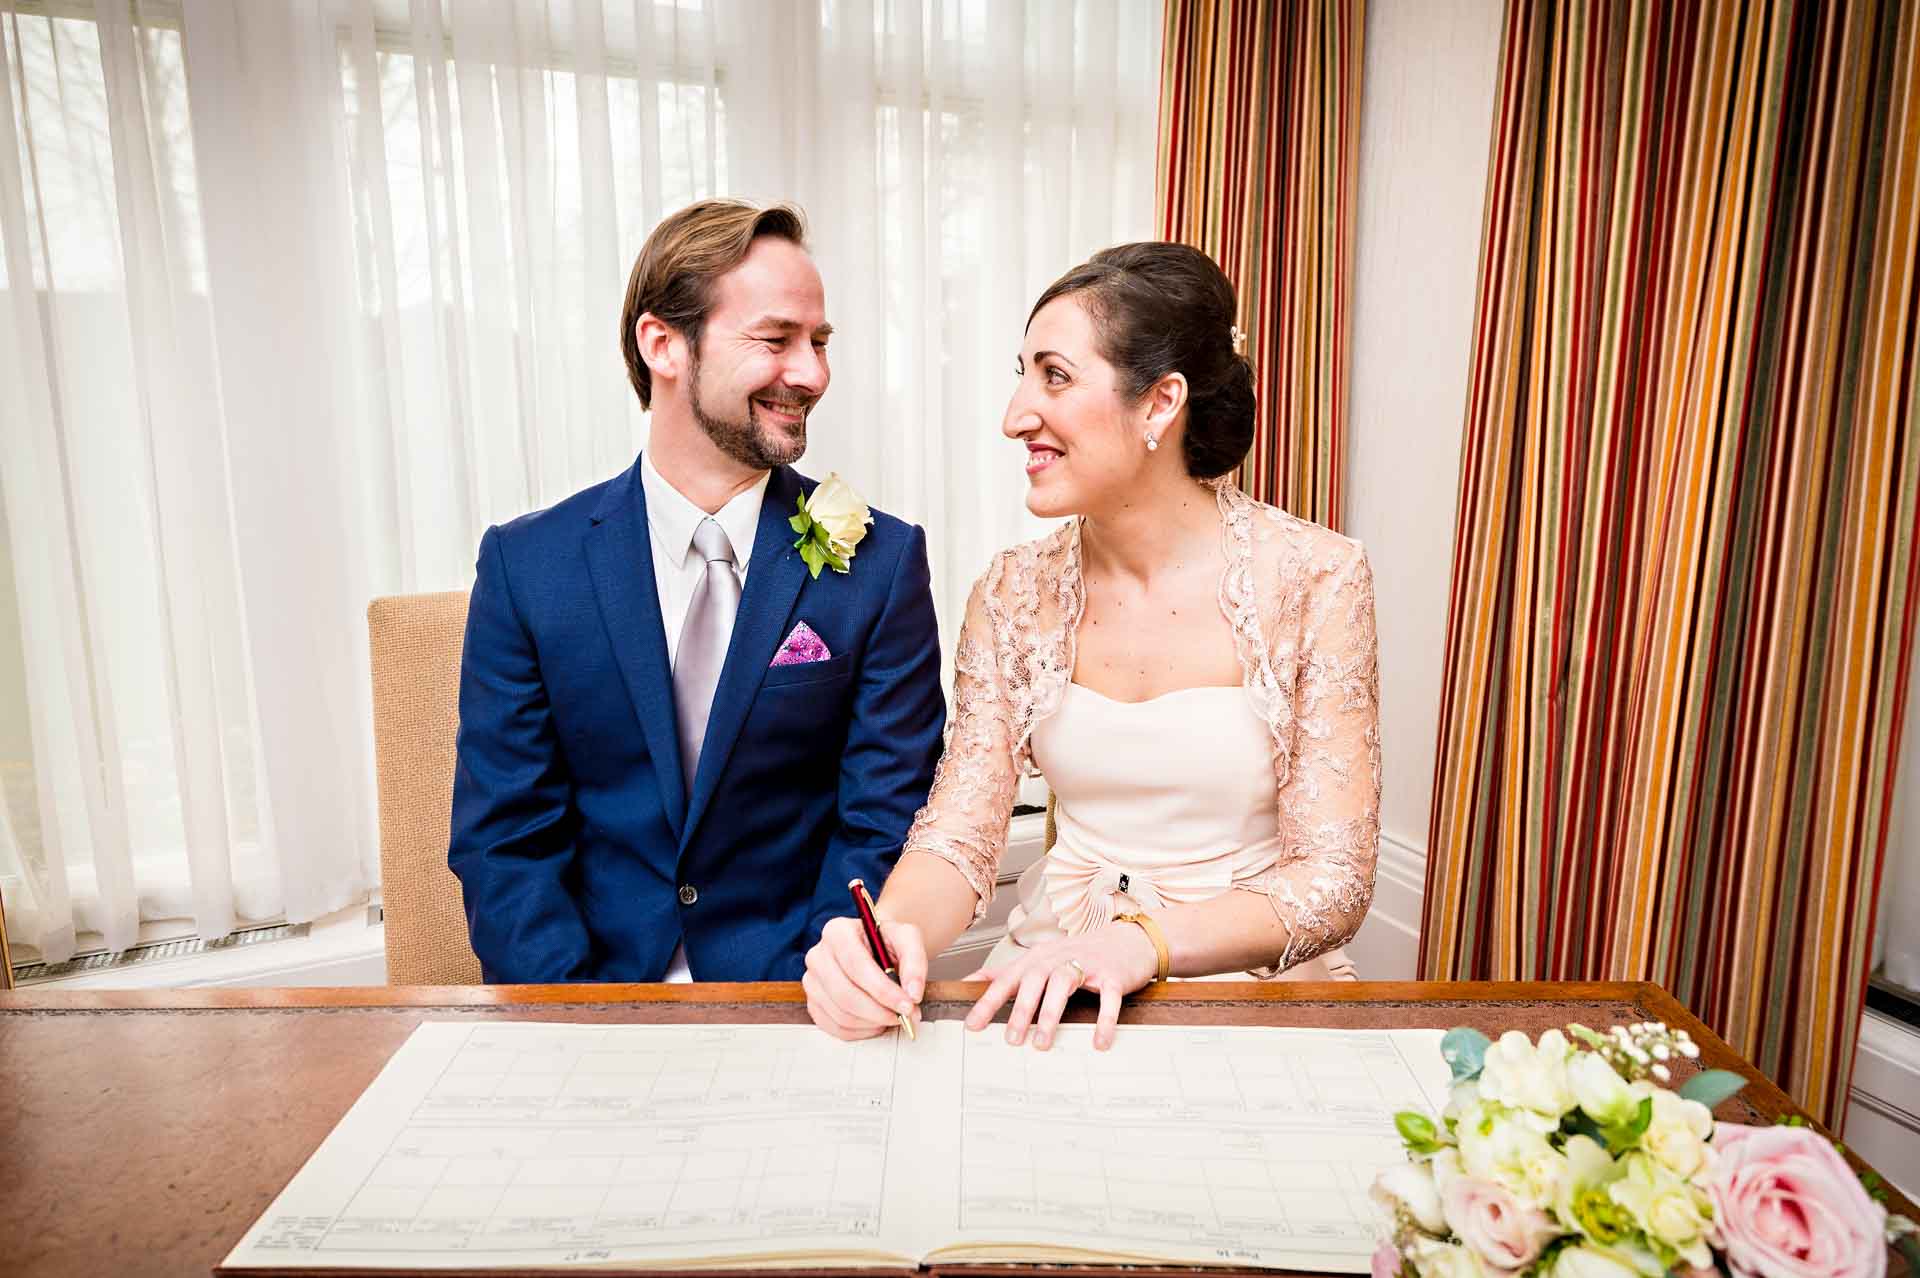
(1425, 122)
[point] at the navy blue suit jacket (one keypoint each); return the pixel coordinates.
(582, 853)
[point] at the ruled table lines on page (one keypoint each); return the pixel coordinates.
(565, 1142)
(1238, 1144)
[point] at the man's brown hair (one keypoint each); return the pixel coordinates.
(674, 274)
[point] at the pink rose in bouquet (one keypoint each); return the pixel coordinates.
(1786, 1205)
(1495, 1225)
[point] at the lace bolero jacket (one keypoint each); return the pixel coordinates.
(1300, 600)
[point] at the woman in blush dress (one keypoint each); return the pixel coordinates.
(1192, 671)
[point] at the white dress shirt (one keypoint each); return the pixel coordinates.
(678, 568)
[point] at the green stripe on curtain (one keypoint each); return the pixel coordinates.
(1259, 156)
(1683, 603)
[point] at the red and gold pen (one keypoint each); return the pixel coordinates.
(877, 944)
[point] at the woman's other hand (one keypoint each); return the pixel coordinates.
(848, 995)
(1112, 961)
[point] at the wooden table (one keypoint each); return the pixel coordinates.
(142, 1132)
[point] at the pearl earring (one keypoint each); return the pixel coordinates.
(1153, 442)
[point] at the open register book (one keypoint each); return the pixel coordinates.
(537, 1144)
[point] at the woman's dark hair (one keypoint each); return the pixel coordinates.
(1161, 308)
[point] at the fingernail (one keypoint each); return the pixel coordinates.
(1044, 1042)
(915, 991)
(1014, 1038)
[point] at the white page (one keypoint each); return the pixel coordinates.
(1210, 1145)
(537, 1143)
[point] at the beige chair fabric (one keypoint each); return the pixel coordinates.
(1334, 965)
(416, 643)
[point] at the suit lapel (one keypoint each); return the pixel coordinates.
(620, 557)
(775, 574)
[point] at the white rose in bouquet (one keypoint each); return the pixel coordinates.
(1678, 1137)
(1503, 1146)
(1675, 1215)
(1606, 1097)
(1407, 1192)
(1432, 1258)
(1528, 1078)
(1586, 1261)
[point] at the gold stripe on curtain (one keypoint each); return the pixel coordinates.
(1259, 153)
(1682, 609)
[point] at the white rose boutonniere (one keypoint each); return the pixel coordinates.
(832, 523)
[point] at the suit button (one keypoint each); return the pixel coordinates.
(687, 895)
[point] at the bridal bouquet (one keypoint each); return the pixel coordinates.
(1572, 1157)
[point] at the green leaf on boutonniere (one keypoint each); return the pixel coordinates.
(1711, 1086)
(799, 524)
(815, 558)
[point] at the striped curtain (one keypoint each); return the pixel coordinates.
(1259, 156)
(1683, 603)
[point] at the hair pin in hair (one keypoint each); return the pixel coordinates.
(1239, 339)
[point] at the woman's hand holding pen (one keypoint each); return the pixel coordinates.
(848, 995)
(1112, 961)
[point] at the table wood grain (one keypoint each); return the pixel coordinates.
(142, 1132)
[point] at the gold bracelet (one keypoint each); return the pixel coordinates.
(1154, 934)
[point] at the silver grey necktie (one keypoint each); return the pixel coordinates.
(703, 642)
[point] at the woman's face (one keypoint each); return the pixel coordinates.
(1085, 443)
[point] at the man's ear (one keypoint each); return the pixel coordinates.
(661, 347)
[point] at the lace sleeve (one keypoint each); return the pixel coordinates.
(1329, 802)
(965, 818)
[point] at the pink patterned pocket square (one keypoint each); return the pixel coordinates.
(800, 648)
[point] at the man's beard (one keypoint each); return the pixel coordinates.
(742, 440)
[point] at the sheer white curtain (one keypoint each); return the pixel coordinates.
(299, 297)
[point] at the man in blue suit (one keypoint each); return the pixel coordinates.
(680, 735)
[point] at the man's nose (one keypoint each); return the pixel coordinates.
(806, 369)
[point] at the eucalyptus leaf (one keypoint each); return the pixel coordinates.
(1711, 1086)
(1465, 1051)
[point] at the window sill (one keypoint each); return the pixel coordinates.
(343, 948)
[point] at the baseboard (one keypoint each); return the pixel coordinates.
(1883, 1111)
